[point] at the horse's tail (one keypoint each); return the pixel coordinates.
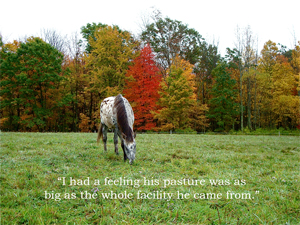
(100, 134)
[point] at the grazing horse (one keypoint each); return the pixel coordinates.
(116, 113)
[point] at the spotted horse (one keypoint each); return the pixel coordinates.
(116, 113)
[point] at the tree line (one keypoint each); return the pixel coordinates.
(172, 77)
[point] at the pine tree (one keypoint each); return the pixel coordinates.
(222, 106)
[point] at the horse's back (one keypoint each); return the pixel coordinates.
(108, 114)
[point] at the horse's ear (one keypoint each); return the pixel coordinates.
(124, 136)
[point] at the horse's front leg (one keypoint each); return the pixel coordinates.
(104, 137)
(122, 145)
(116, 140)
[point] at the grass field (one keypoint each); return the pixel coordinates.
(257, 180)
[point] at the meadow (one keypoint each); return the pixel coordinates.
(63, 178)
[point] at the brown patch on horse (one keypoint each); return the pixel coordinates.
(122, 118)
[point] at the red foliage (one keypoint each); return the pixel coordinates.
(142, 90)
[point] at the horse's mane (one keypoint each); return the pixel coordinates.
(122, 118)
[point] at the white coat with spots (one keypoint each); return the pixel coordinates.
(109, 115)
(116, 113)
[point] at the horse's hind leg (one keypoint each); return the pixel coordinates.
(116, 141)
(104, 137)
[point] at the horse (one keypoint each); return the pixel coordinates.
(116, 113)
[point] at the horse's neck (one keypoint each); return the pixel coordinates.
(124, 117)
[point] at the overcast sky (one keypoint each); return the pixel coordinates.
(214, 20)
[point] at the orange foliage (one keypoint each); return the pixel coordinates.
(142, 88)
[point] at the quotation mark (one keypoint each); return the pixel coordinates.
(63, 179)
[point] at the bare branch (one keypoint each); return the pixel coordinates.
(55, 39)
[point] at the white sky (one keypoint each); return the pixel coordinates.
(217, 20)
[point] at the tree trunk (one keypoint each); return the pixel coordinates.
(241, 96)
(255, 107)
(249, 102)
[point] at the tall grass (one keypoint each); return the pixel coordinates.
(264, 167)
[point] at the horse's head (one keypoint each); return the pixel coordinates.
(130, 151)
(130, 148)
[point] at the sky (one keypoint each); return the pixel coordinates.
(215, 20)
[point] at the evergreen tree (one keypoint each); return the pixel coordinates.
(222, 106)
(28, 75)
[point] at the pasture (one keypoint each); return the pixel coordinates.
(180, 179)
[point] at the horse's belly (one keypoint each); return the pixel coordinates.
(106, 112)
(108, 122)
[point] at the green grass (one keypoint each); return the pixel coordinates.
(31, 164)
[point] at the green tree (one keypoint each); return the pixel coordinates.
(203, 68)
(222, 106)
(170, 38)
(1, 41)
(32, 72)
(88, 33)
(9, 87)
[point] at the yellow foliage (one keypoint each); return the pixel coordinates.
(3, 120)
(179, 109)
(84, 124)
(12, 47)
(112, 51)
(187, 72)
(296, 64)
(276, 84)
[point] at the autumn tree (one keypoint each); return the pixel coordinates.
(285, 105)
(142, 88)
(198, 120)
(88, 33)
(170, 38)
(177, 96)
(112, 53)
(279, 106)
(75, 83)
(295, 63)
